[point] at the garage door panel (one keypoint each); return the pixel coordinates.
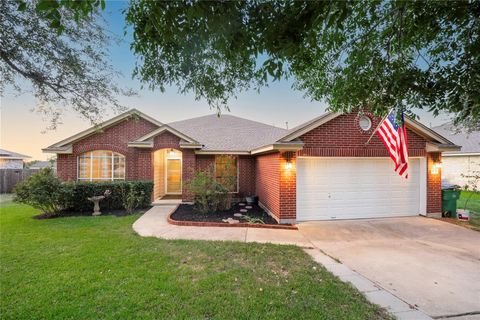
(344, 188)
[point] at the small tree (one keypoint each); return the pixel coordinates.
(131, 197)
(43, 191)
(209, 195)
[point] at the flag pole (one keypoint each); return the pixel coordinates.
(378, 126)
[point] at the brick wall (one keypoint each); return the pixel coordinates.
(434, 185)
(188, 170)
(342, 137)
(288, 187)
(114, 138)
(267, 181)
(247, 174)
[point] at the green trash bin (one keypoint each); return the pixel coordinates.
(449, 202)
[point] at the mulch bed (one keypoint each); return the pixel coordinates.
(63, 214)
(188, 215)
(188, 212)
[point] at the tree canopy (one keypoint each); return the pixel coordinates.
(59, 47)
(355, 55)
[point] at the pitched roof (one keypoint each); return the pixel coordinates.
(65, 145)
(228, 133)
(470, 142)
(5, 154)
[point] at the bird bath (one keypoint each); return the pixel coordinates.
(96, 204)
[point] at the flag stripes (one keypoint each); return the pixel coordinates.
(394, 137)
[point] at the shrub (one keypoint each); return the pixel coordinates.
(80, 191)
(209, 195)
(132, 197)
(43, 191)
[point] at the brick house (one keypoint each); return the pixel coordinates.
(320, 170)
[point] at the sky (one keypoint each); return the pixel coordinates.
(23, 130)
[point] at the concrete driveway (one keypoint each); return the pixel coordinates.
(428, 263)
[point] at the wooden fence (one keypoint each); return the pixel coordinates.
(10, 177)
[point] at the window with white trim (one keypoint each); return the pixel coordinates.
(101, 165)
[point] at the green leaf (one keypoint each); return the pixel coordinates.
(22, 6)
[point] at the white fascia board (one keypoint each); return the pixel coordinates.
(59, 150)
(436, 147)
(466, 154)
(279, 147)
(191, 146)
(141, 144)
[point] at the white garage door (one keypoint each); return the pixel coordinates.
(352, 188)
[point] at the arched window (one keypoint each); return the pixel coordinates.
(101, 165)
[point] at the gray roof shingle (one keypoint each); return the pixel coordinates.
(470, 142)
(10, 154)
(229, 133)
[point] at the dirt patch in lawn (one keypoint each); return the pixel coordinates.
(188, 212)
(63, 214)
(471, 224)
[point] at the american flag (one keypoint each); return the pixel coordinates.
(394, 135)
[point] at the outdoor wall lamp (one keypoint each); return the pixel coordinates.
(437, 165)
(288, 165)
(172, 153)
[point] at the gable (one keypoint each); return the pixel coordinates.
(344, 132)
(439, 142)
(126, 126)
(116, 136)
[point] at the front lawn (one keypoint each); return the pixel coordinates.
(473, 205)
(97, 267)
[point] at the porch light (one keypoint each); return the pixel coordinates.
(288, 165)
(171, 153)
(436, 165)
(436, 168)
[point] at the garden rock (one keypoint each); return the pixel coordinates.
(238, 215)
(231, 221)
(241, 204)
(243, 210)
(248, 207)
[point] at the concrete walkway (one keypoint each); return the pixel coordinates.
(154, 224)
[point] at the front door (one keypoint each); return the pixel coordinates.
(174, 176)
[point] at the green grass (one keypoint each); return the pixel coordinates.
(473, 205)
(96, 267)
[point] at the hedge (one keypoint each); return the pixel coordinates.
(78, 192)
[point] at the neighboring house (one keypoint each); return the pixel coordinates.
(37, 165)
(456, 164)
(320, 170)
(11, 160)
